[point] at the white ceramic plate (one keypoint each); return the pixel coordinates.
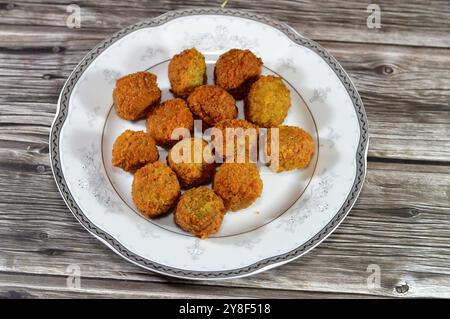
(297, 209)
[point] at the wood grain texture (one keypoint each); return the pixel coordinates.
(402, 22)
(399, 223)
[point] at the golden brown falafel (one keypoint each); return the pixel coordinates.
(212, 104)
(132, 150)
(268, 101)
(239, 184)
(193, 162)
(155, 189)
(237, 141)
(166, 117)
(187, 70)
(200, 211)
(135, 94)
(295, 148)
(236, 70)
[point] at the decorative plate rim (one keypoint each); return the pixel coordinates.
(261, 265)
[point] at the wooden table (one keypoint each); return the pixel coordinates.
(399, 226)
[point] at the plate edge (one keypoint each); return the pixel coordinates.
(263, 264)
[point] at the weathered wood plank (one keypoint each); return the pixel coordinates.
(406, 91)
(402, 22)
(394, 225)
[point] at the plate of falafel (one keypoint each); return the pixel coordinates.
(209, 143)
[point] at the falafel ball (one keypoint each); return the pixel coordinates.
(155, 189)
(200, 211)
(134, 149)
(268, 101)
(193, 162)
(295, 149)
(236, 70)
(166, 117)
(212, 104)
(239, 184)
(237, 141)
(187, 70)
(135, 94)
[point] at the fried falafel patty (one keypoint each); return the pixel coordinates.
(237, 141)
(193, 162)
(295, 149)
(239, 184)
(134, 149)
(268, 101)
(236, 70)
(135, 94)
(200, 211)
(166, 117)
(187, 70)
(155, 189)
(212, 104)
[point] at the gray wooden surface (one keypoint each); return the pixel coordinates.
(401, 222)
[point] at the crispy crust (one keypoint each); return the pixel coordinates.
(296, 148)
(236, 70)
(268, 102)
(200, 211)
(135, 94)
(166, 117)
(212, 104)
(155, 189)
(132, 150)
(187, 70)
(192, 172)
(239, 185)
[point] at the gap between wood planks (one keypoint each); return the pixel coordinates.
(373, 159)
